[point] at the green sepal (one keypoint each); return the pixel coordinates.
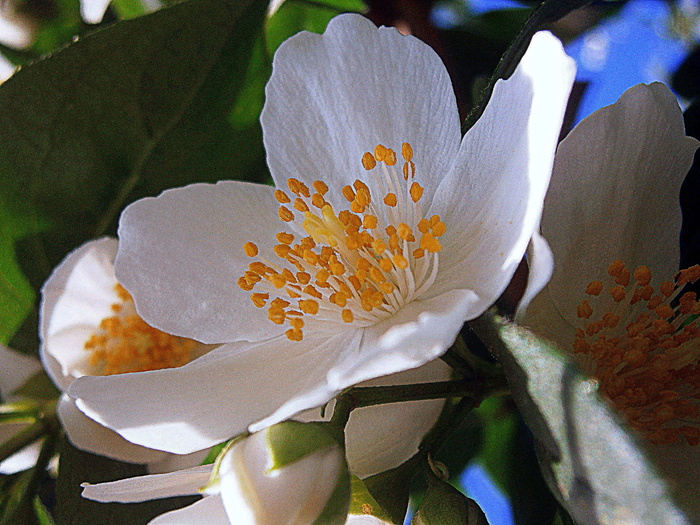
(391, 489)
(445, 505)
(290, 441)
(363, 503)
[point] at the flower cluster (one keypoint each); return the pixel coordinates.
(241, 313)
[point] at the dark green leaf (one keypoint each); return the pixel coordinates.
(549, 11)
(592, 464)
(125, 112)
(39, 386)
(76, 467)
(362, 502)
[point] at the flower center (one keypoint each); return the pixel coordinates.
(642, 347)
(360, 265)
(125, 343)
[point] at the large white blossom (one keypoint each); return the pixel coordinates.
(393, 230)
(612, 218)
(88, 326)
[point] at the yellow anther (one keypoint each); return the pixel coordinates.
(285, 214)
(276, 315)
(386, 287)
(390, 158)
(369, 222)
(338, 299)
(356, 284)
(252, 277)
(348, 193)
(259, 299)
(251, 250)
(313, 292)
(400, 261)
(257, 267)
(362, 197)
(337, 268)
(298, 188)
(244, 285)
(642, 276)
(623, 278)
(294, 334)
(303, 278)
(322, 276)
(430, 243)
(300, 205)
(376, 275)
(285, 238)
(356, 207)
(380, 152)
(318, 200)
(390, 199)
(278, 280)
(584, 310)
(667, 288)
(390, 230)
(289, 275)
(664, 311)
(439, 229)
(594, 288)
(434, 220)
(282, 197)
(308, 306)
(297, 323)
(424, 226)
(394, 242)
(363, 264)
(416, 192)
(418, 253)
(385, 264)
(618, 293)
(615, 268)
(405, 232)
(368, 161)
(378, 246)
(406, 151)
(320, 186)
(282, 250)
(347, 315)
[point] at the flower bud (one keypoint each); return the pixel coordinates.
(291, 473)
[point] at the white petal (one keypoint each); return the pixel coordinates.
(92, 11)
(420, 332)
(492, 199)
(219, 395)
(379, 438)
(540, 265)
(154, 486)
(24, 458)
(366, 519)
(209, 510)
(15, 369)
(181, 253)
(89, 435)
(334, 96)
(614, 195)
(75, 298)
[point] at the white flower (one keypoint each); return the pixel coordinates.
(15, 370)
(612, 218)
(290, 473)
(88, 326)
(358, 114)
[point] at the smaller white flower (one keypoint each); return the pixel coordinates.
(88, 326)
(15, 369)
(289, 474)
(616, 298)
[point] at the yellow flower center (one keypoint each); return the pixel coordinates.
(360, 265)
(125, 343)
(642, 347)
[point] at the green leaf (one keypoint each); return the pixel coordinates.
(590, 461)
(39, 386)
(76, 467)
(443, 504)
(548, 12)
(125, 112)
(301, 15)
(363, 503)
(42, 514)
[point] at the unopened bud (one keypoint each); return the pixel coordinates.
(289, 474)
